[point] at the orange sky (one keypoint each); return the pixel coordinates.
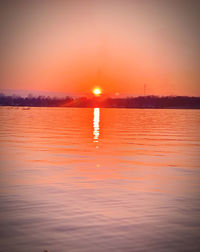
(72, 46)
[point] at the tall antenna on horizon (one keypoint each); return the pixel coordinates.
(144, 89)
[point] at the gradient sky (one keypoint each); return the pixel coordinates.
(73, 46)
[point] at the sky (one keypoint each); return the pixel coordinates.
(118, 45)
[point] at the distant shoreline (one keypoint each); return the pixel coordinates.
(29, 107)
(140, 102)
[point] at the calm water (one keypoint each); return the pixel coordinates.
(99, 180)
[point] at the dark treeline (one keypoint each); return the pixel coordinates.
(129, 102)
(31, 101)
(157, 102)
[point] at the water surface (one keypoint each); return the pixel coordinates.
(94, 180)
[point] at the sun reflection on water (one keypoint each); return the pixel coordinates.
(96, 127)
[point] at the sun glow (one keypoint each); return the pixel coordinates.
(97, 91)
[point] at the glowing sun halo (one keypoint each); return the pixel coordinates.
(96, 91)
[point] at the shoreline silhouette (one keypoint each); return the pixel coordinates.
(151, 102)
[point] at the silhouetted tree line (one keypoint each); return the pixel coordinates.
(31, 101)
(156, 102)
(129, 102)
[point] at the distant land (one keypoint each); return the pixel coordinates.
(164, 102)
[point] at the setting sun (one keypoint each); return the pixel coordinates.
(96, 91)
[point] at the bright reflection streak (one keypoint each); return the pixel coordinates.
(96, 124)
